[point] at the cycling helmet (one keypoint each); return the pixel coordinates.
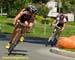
(32, 9)
(61, 16)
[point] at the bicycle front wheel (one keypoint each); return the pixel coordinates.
(14, 42)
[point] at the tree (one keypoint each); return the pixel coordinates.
(68, 5)
(17, 6)
(38, 1)
(5, 4)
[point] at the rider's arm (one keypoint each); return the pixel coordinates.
(18, 16)
(63, 27)
(64, 24)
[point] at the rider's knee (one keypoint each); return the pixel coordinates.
(31, 24)
(18, 29)
(26, 23)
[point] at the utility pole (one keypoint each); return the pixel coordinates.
(60, 5)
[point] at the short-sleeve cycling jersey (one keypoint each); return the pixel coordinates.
(26, 16)
(60, 21)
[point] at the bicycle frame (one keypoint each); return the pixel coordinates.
(53, 37)
(16, 38)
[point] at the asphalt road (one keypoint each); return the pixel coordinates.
(29, 51)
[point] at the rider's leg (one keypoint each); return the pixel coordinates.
(24, 30)
(27, 28)
(30, 26)
(15, 31)
(12, 37)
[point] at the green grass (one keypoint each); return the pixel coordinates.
(69, 30)
(38, 29)
(6, 25)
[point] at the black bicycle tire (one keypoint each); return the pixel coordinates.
(11, 49)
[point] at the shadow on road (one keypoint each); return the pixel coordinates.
(19, 52)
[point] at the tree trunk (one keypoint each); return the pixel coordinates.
(1, 10)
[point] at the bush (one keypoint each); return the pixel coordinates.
(12, 13)
(38, 18)
(71, 23)
(42, 9)
(3, 17)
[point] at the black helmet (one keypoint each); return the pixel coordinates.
(32, 9)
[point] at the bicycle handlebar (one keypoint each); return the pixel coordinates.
(57, 27)
(21, 23)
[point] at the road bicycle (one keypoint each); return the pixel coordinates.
(53, 37)
(16, 36)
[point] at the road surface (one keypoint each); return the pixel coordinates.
(29, 51)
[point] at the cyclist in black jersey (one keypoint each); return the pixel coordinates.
(26, 16)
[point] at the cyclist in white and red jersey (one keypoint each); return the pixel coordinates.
(60, 22)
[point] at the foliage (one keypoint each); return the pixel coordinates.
(11, 14)
(68, 6)
(70, 23)
(7, 26)
(17, 6)
(40, 1)
(4, 4)
(41, 18)
(38, 18)
(42, 9)
(38, 29)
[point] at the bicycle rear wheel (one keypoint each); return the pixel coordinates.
(51, 39)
